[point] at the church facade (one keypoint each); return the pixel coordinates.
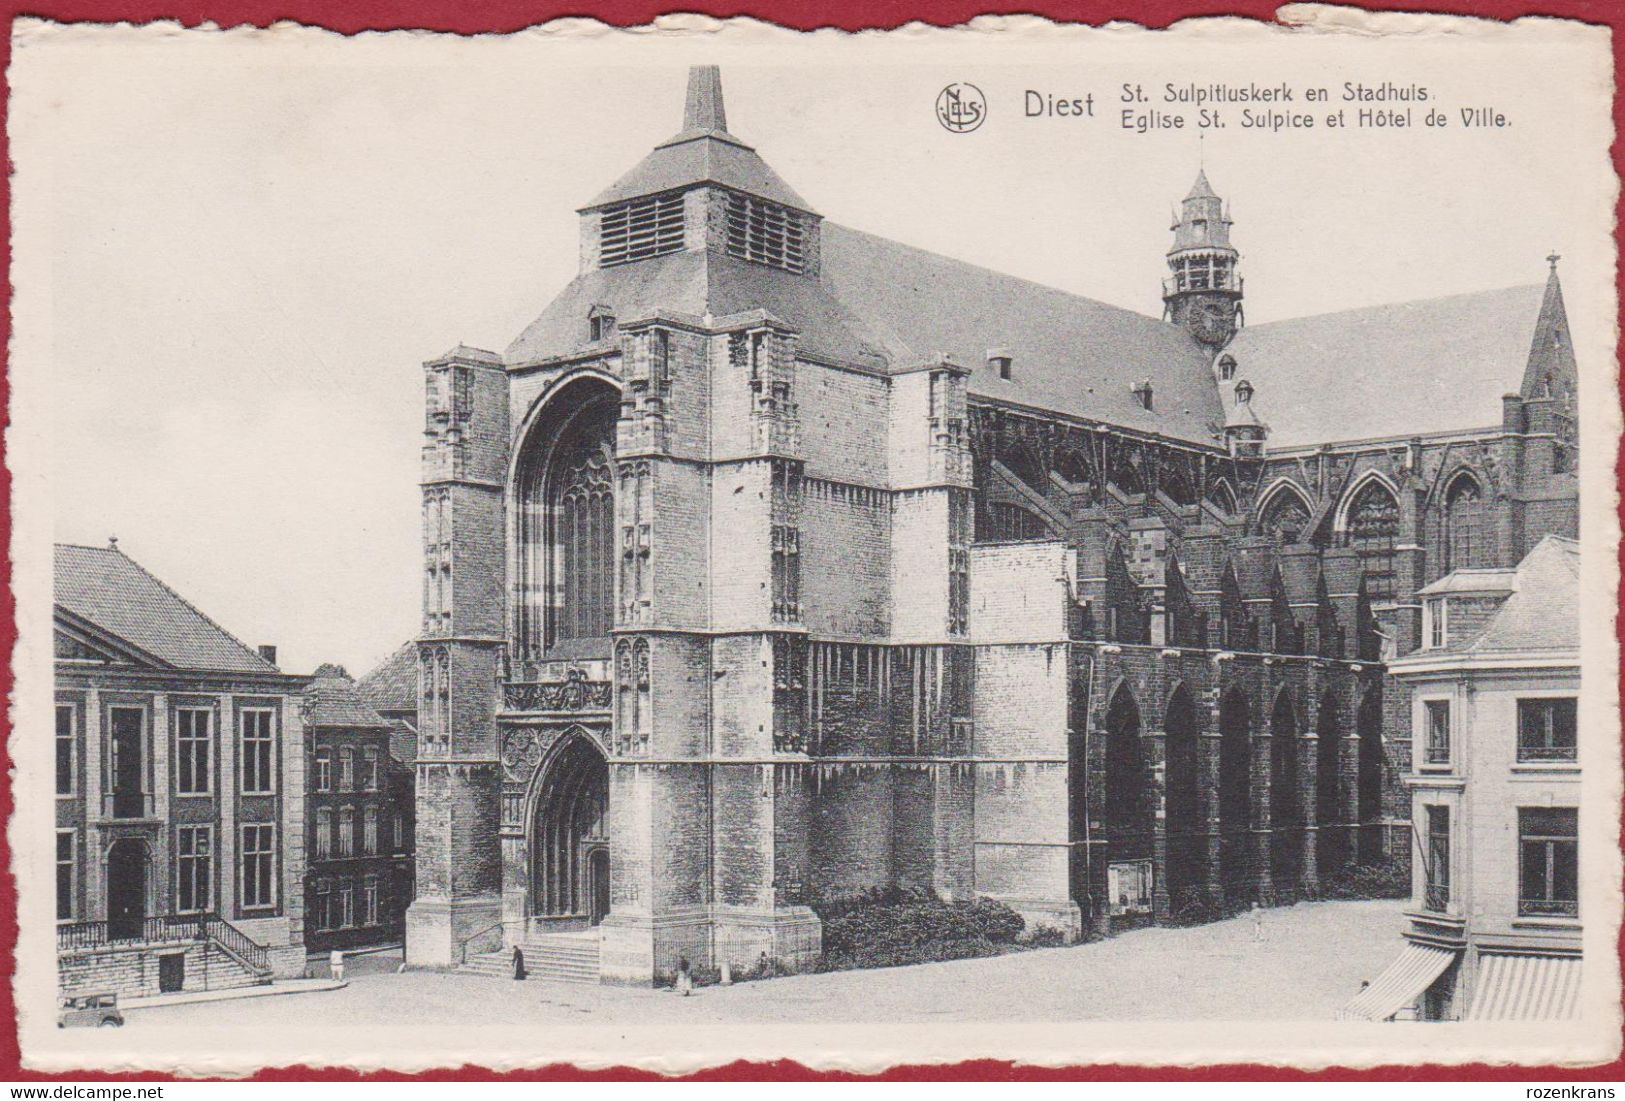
(777, 561)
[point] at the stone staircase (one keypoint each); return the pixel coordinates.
(559, 957)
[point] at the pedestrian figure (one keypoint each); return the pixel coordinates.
(1258, 923)
(335, 965)
(685, 982)
(764, 967)
(518, 964)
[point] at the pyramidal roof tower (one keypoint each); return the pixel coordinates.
(703, 151)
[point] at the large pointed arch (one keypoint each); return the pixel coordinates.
(1286, 803)
(1284, 512)
(1368, 521)
(1185, 825)
(1235, 797)
(1130, 818)
(568, 826)
(1463, 527)
(1331, 815)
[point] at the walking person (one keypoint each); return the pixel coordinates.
(1258, 923)
(519, 972)
(685, 981)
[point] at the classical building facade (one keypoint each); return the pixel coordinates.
(180, 791)
(1495, 796)
(359, 808)
(776, 560)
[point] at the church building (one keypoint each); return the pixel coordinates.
(776, 561)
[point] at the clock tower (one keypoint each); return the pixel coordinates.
(1203, 290)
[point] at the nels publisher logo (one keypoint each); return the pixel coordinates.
(961, 108)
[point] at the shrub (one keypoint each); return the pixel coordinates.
(1380, 880)
(887, 927)
(1047, 936)
(1195, 908)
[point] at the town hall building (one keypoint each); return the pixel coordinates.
(776, 561)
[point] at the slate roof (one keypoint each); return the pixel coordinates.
(336, 700)
(1407, 369)
(393, 686)
(108, 588)
(403, 741)
(1543, 613)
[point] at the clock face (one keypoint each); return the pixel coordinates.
(1211, 322)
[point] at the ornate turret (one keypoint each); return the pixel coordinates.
(1203, 291)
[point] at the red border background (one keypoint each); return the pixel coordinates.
(471, 16)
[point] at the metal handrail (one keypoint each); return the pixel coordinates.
(462, 945)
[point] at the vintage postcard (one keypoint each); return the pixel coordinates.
(655, 547)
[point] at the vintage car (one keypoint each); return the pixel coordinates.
(90, 1011)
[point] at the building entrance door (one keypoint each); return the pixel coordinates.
(126, 890)
(598, 884)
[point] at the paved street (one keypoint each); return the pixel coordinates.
(1309, 961)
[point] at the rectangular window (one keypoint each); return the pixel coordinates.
(1548, 862)
(259, 867)
(320, 917)
(194, 869)
(369, 839)
(765, 233)
(66, 751)
(324, 833)
(323, 779)
(400, 831)
(346, 769)
(346, 831)
(369, 771)
(640, 229)
(1547, 729)
(259, 751)
(369, 901)
(1437, 751)
(194, 756)
(1437, 894)
(346, 904)
(1438, 623)
(66, 846)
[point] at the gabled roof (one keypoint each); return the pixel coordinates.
(1544, 611)
(335, 700)
(1408, 369)
(393, 686)
(403, 741)
(105, 587)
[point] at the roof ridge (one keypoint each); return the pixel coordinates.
(195, 610)
(1001, 274)
(1395, 305)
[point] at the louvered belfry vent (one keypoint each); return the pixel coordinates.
(640, 229)
(765, 233)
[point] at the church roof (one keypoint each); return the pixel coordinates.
(1201, 189)
(106, 587)
(702, 152)
(1407, 369)
(1070, 354)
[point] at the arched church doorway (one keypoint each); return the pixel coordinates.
(569, 843)
(126, 889)
(1130, 817)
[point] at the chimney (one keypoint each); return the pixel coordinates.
(267, 652)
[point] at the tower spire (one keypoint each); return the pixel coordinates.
(704, 110)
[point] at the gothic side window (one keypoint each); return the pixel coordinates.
(1373, 523)
(583, 510)
(1284, 519)
(1463, 525)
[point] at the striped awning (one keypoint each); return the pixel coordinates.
(1400, 984)
(1526, 988)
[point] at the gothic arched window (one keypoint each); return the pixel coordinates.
(1373, 522)
(565, 503)
(1463, 524)
(1284, 518)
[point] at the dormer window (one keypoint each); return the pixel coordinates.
(1143, 395)
(1227, 367)
(1000, 361)
(765, 233)
(600, 324)
(1438, 622)
(640, 229)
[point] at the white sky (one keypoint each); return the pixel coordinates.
(255, 239)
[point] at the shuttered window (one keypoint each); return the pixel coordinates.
(765, 233)
(640, 229)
